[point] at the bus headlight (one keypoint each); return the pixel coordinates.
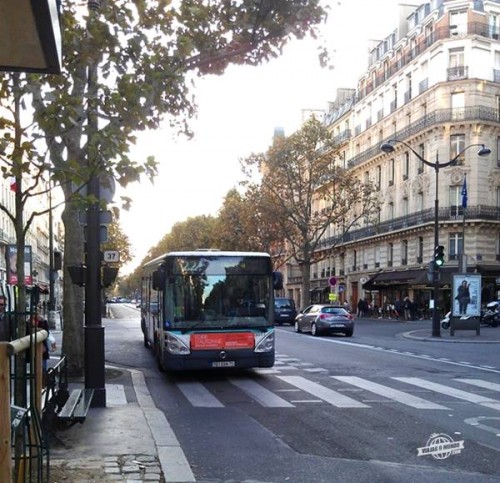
(175, 345)
(266, 343)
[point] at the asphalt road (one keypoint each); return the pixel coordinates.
(377, 407)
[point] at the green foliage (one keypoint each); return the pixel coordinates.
(307, 192)
(147, 54)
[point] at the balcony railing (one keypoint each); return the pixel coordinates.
(424, 217)
(458, 73)
(440, 116)
(425, 42)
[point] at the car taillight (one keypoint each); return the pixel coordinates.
(323, 316)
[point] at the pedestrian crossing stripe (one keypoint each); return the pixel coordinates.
(328, 395)
(450, 391)
(394, 394)
(200, 396)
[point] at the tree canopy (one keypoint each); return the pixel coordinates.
(147, 55)
(307, 194)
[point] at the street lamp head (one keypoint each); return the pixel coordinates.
(387, 148)
(484, 151)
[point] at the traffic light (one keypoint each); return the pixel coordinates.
(439, 256)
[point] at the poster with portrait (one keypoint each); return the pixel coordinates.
(11, 264)
(466, 295)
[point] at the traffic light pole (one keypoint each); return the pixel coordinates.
(436, 328)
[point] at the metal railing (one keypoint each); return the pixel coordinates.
(420, 218)
(24, 453)
(440, 116)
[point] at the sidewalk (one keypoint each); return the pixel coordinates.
(422, 330)
(129, 440)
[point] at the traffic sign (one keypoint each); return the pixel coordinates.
(332, 281)
(111, 256)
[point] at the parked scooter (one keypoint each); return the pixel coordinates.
(445, 323)
(491, 315)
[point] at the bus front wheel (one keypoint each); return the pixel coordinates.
(159, 360)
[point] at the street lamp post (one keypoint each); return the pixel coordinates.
(484, 151)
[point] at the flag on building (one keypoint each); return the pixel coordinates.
(13, 184)
(464, 193)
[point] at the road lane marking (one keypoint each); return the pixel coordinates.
(394, 394)
(328, 395)
(479, 383)
(198, 395)
(260, 394)
(450, 391)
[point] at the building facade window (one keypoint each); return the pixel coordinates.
(456, 63)
(420, 249)
(458, 106)
(391, 172)
(457, 145)
(404, 252)
(456, 208)
(406, 165)
(406, 206)
(455, 245)
(390, 254)
(420, 201)
(421, 151)
(458, 22)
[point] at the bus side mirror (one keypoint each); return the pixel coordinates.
(277, 280)
(159, 280)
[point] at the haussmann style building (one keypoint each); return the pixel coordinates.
(430, 96)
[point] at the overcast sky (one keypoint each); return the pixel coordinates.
(237, 115)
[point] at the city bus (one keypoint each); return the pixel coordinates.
(209, 309)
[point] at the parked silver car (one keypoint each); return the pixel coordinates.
(325, 319)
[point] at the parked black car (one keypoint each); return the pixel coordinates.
(284, 310)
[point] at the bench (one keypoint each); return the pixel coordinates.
(59, 404)
(77, 406)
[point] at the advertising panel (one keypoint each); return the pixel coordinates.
(466, 295)
(11, 263)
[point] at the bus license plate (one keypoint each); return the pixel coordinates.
(223, 364)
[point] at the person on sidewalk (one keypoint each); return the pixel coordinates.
(398, 309)
(407, 308)
(4, 322)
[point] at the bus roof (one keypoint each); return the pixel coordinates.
(205, 252)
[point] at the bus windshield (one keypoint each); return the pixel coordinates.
(211, 292)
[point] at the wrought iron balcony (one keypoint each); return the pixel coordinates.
(420, 218)
(482, 29)
(439, 116)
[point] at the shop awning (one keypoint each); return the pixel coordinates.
(491, 270)
(317, 289)
(396, 277)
